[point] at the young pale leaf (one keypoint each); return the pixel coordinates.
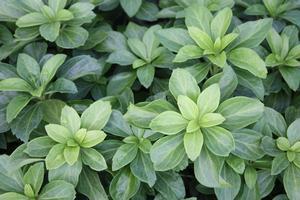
(55, 157)
(218, 140)
(209, 99)
(167, 152)
(200, 17)
(202, 39)
(169, 123)
(236, 163)
(124, 155)
(71, 154)
(211, 119)
(187, 107)
(138, 48)
(183, 83)
(15, 106)
(96, 115)
(31, 19)
(221, 22)
(188, 52)
(250, 176)
(92, 138)
(93, 159)
(193, 144)
(35, 176)
(58, 190)
(58, 133)
(70, 119)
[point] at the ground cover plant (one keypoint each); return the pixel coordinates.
(149, 99)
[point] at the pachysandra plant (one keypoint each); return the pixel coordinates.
(54, 20)
(32, 81)
(144, 54)
(202, 126)
(285, 55)
(29, 185)
(71, 142)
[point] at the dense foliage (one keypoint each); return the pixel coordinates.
(149, 99)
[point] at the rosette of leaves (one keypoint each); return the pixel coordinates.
(70, 143)
(175, 8)
(285, 54)
(32, 81)
(201, 129)
(278, 9)
(144, 53)
(207, 38)
(29, 184)
(286, 152)
(54, 20)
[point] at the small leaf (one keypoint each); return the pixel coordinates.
(193, 144)
(58, 133)
(50, 31)
(250, 177)
(55, 157)
(71, 154)
(202, 39)
(93, 159)
(187, 107)
(92, 138)
(221, 22)
(209, 99)
(70, 119)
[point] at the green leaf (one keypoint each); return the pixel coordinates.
(289, 74)
(145, 75)
(82, 12)
(40, 146)
(27, 120)
(124, 155)
(142, 168)
(52, 109)
(50, 68)
(250, 177)
(96, 115)
(117, 125)
(188, 52)
(293, 132)
(150, 40)
(119, 82)
(240, 112)
(202, 39)
(92, 138)
(279, 164)
(131, 7)
(193, 144)
(12, 196)
(57, 5)
(251, 33)
(167, 152)
(50, 31)
(58, 133)
(209, 99)
(138, 48)
(28, 69)
(208, 175)
(124, 185)
(236, 163)
(70, 119)
(93, 159)
(72, 37)
(174, 38)
(31, 19)
(168, 123)
(71, 154)
(58, 190)
(274, 41)
(200, 17)
(90, 185)
(183, 83)
(66, 172)
(55, 157)
(254, 64)
(15, 84)
(211, 119)
(218, 140)
(15, 106)
(187, 107)
(221, 22)
(147, 12)
(35, 176)
(218, 59)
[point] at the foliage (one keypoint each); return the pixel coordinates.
(145, 99)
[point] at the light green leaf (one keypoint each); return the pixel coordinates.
(12, 196)
(209, 99)
(293, 132)
(92, 138)
(202, 39)
(70, 119)
(58, 190)
(35, 176)
(168, 123)
(221, 22)
(211, 119)
(183, 83)
(50, 31)
(198, 16)
(93, 159)
(55, 157)
(188, 52)
(138, 48)
(253, 63)
(289, 74)
(187, 107)
(57, 5)
(240, 112)
(96, 115)
(218, 140)
(71, 154)
(124, 155)
(250, 176)
(31, 19)
(193, 144)
(15, 84)
(40, 146)
(58, 133)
